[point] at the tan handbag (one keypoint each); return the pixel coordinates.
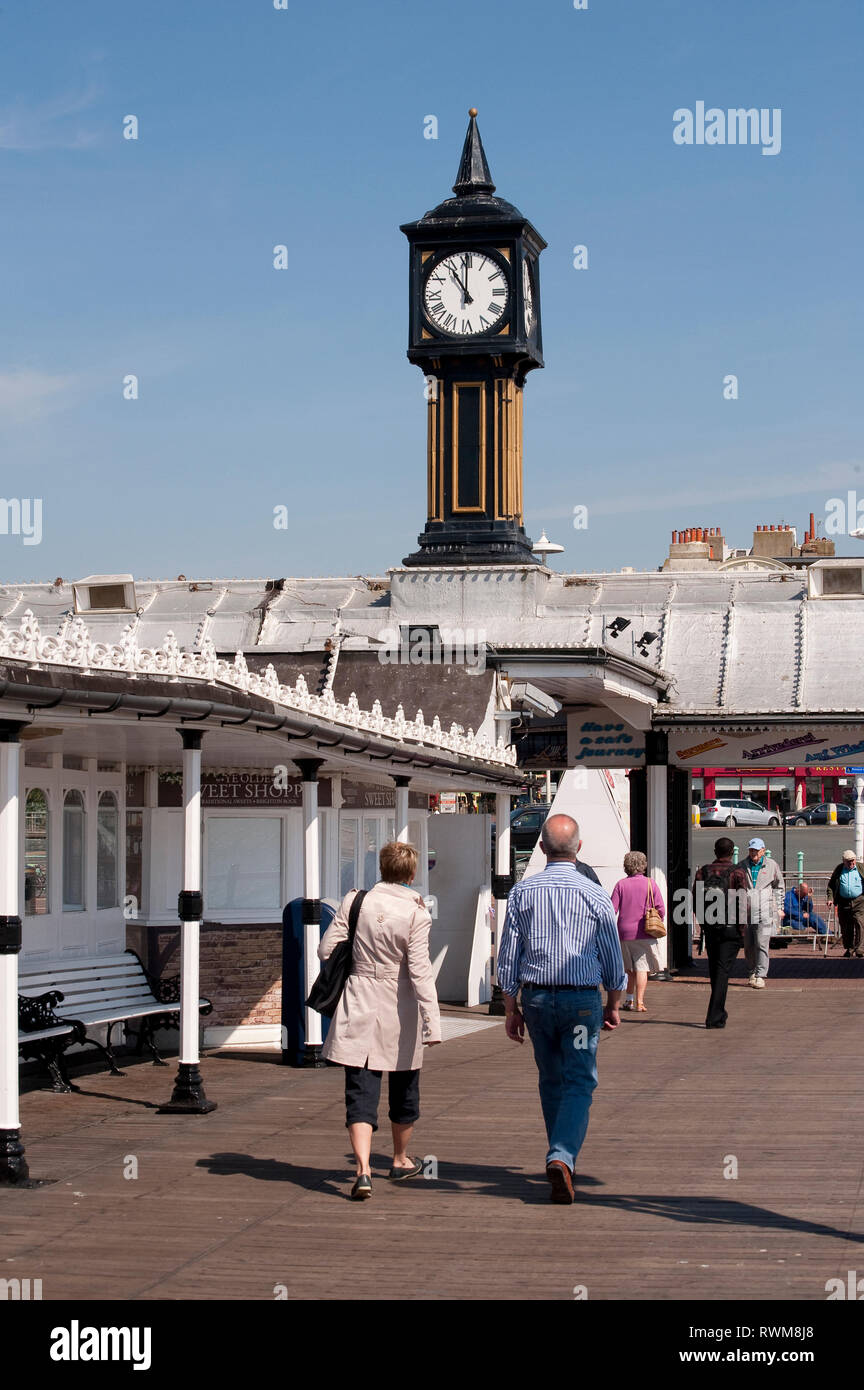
(653, 921)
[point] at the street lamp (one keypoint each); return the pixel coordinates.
(544, 547)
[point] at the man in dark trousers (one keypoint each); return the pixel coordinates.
(720, 904)
(846, 889)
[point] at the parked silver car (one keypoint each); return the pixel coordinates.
(730, 810)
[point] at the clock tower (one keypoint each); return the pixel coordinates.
(475, 333)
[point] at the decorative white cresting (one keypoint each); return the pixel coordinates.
(73, 646)
(800, 652)
(666, 623)
(336, 639)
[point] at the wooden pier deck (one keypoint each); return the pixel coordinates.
(250, 1202)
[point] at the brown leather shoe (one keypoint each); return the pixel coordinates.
(560, 1182)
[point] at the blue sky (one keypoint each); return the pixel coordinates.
(260, 388)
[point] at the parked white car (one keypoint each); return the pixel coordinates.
(729, 810)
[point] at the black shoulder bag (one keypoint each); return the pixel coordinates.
(327, 990)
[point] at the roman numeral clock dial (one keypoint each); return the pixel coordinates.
(466, 293)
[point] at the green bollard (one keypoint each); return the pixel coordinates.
(735, 855)
(800, 866)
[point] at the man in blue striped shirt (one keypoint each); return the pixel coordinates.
(559, 943)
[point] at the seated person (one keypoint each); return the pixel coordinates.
(799, 913)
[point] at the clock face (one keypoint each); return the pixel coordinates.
(466, 294)
(528, 296)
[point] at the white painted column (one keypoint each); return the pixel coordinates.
(13, 1165)
(311, 904)
(501, 885)
(402, 784)
(658, 831)
(859, 818)
(188, 1096)
(657, 792)
(191, 930)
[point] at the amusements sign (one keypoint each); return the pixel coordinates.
(810, 746)
(596, 738)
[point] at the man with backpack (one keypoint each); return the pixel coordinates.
(720, 901)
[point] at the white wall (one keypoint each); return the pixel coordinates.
(603, 816)
(462, 846)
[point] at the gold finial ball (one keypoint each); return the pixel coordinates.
(473, 111)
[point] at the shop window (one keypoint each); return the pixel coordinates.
(37, 757)
(349, 841)
(136, 787)
(244, 864)
(170, 791)
(135, 858)
(107, 846)
(36, 853)
(74, 845)
(415, 838)
(377, 832)
(372, 842)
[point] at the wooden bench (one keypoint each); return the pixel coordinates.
(102, 991)
(44, 1037)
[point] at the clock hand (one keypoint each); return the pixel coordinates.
(463, 287)
(468, 298)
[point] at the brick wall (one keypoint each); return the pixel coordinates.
(241, 969)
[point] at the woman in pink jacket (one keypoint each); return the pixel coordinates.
(631, 898)
(388, 1011)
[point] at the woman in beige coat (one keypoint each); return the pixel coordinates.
(388, 1011)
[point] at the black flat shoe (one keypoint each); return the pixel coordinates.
(362, 1188)
(400, 1174)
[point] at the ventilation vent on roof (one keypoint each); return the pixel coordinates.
(836, 579)
(105, 593)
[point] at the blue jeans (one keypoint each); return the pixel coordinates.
(564, 1027)
(816, 923)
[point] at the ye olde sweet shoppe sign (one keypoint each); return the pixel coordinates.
(246, 790)
(271, 789)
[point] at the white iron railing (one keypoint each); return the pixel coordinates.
(74, 647)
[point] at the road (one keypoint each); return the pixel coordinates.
(823, 845)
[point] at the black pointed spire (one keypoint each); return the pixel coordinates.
(473, 175)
